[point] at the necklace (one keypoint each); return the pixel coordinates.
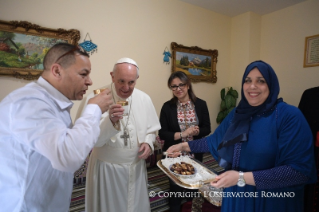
(125, 135)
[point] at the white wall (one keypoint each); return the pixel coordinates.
(141, 29)
(277, 38)
(282, 45)
(245, 46)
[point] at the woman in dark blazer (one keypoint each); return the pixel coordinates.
(183, 118)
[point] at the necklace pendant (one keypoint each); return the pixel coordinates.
(125, 136)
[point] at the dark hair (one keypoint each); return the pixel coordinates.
(183, 77)
(62, 53)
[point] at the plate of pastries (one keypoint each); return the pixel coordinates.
(183, 169)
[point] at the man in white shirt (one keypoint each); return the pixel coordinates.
(116, 176)
(40, 148)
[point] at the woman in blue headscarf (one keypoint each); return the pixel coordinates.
(265, 146)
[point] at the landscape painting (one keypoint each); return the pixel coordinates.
(23, 46)
(24, 51)
(197, 63)
(194, 64)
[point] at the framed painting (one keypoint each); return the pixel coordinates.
(199, 64)
(311, 54)
(23, 46)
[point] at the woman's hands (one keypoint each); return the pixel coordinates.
(191, 131)
(226, 179)
(230, 178)
(175, 150)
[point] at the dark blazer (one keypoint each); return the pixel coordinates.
(309, 106)
(169, 123)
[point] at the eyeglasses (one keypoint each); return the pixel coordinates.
(175, 87)
(76, 48)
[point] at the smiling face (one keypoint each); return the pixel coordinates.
(181, 91)
(75, 78)
(124, 78)
(255, 88)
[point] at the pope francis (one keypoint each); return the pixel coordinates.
(116, 175)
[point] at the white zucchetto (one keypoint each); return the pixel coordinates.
(127, 60)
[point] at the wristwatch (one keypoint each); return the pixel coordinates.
(241, 181)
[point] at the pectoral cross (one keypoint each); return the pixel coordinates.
(125, 136)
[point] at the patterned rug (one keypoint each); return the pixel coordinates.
(157, 181)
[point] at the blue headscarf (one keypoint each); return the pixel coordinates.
(239, 128)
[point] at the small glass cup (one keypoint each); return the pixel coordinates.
(213, 195)
(124, 105)
(97, 91)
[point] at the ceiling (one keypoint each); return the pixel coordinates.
(236, 7)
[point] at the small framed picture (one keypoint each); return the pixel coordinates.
(311, 56)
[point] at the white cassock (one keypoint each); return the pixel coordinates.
(116, 177)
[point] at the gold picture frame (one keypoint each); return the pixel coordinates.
(199, 64)
(23, 46)
(311, 54)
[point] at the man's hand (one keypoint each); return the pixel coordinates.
(103, 100)
(116, 113)
(145, 151)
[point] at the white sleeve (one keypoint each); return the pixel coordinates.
(150, 139)
(107, 130)
(39, 126)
